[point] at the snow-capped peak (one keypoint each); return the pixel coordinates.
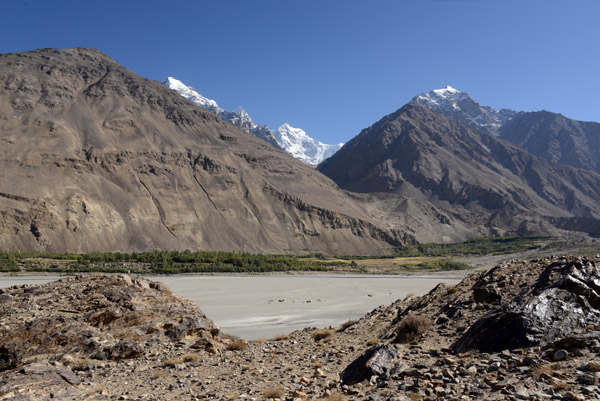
(460, 106)
(297, 143)
(191, 94)
(447, 90)
(293, 140)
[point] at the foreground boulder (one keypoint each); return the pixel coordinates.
(96, 317)
(563, 301)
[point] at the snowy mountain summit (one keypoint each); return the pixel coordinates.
(460, 106)
(294, 141)
(297, 143)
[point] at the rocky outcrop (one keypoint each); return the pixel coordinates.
(564, 301)
(93, 317)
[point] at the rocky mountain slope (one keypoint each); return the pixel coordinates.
(294, 141)
(557, 138)
(95, 157)
(475, 178)
(433, 347)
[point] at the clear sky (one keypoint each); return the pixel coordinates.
(334, 67)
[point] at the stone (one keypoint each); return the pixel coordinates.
(560, 355)
(375, 361)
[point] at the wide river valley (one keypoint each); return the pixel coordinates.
(255, 306)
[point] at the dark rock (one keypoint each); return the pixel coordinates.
(487, 295)
(378, 360)
(560, 303)
(560, 355)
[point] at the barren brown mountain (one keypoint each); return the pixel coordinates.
(95, 157)
(557, 138)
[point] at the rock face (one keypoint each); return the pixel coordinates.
(557, 138)
(95, 157)
(467, 176)
(564, 301)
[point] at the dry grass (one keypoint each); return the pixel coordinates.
(194, 357)
(316, 364)
(411, 327)
(237, 345)
(274, 392)
(347, 324)
(372, 341)
(171, 362)
(158, 374)
(322, 334)
(262, 340)
(281, 337)
(333, 397)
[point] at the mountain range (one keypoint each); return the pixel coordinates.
(293, 140)
(95, 157)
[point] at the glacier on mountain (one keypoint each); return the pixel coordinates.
(294, 141)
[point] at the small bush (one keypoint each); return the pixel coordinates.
(322, 334)
(171, 362)
(237, 345)
(372, 341)
(347, 324)
(262, 340)
(274, 392)
(192, 357)
(411, 327)
(281, 337)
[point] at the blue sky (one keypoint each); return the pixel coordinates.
(336, 67)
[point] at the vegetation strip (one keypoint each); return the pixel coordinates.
(421, 257)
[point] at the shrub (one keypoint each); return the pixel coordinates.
(281, 337)
(347, 324)
(411, 327)
(192, 357)
(372, 341)
(322, 334)
(274, 392)
(237, 345)
(171, 362)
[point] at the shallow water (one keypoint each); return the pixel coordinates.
(258, 306)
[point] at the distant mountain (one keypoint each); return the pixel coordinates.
(548, 135)
(480, 180)
(96, 158)
(297, 143)
(459, 106)
(557, 138)
(239, 117)
(293, 140)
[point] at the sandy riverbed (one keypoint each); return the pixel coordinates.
(264, 306)
(267, 305)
